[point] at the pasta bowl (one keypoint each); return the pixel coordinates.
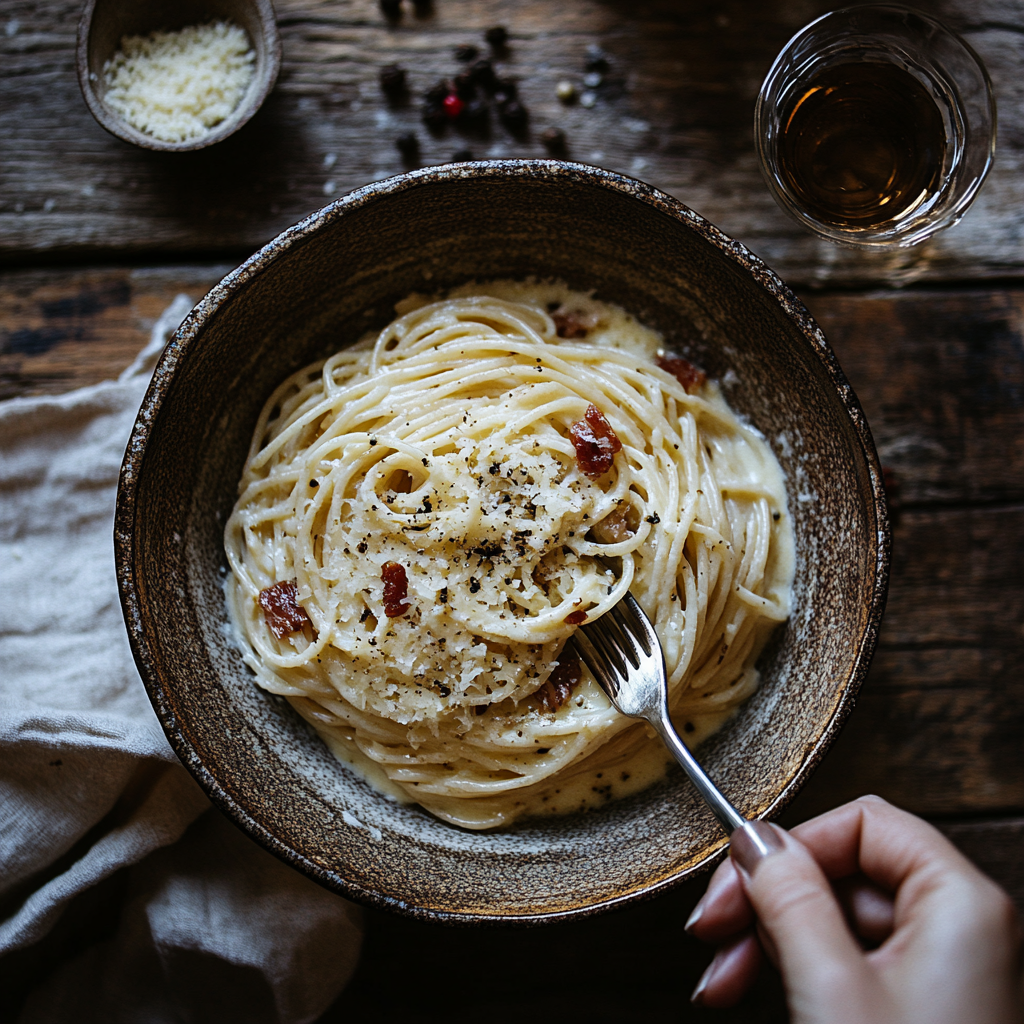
(320, 285)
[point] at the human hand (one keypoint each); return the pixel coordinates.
(948, 940)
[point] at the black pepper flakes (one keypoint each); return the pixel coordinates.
(474, 585)
(654, 518)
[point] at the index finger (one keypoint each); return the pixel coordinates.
(887, 844)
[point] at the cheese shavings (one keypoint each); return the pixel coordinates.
(176, 86)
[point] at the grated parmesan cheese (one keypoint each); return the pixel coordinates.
(176, 86)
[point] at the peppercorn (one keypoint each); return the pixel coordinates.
(466, 52)
(408, 145)
(392, 9)
(452, 106)
(553, 140)
(514, 115)
(475, 115)
(496, 37)
(505, 89)
(392, 80)
(461, 155)
(596, 60)
(465, 87)
(437, 92)
(565, 91)
(483, 74)
(434, 116)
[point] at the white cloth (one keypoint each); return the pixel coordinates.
(88, 782)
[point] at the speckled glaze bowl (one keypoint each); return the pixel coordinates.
(323, 283)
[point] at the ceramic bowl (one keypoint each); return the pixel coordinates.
(320, 285)
(104, 23)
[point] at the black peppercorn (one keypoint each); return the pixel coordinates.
(475, 115)
(483, 74)
(392, 80)
(392, 9)
(496, 37)
(466, 52)
(437, 92)
(596, 60)
(434, 116)
(461, 155)
(465, 86)
(505, 89)
(408, 145)
(514, 115)
(553, 140)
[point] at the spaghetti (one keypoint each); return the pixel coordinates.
(418, 513)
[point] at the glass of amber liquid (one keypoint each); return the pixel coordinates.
(876, 126)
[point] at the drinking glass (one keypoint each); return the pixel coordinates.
(950, 72)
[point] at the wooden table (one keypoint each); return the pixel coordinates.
(96, 237)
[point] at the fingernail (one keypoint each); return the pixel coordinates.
(696, 915)
(753, 842)
(717, 881)
(698, 992)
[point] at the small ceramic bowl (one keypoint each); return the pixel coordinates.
(104, 23)
(321, 285)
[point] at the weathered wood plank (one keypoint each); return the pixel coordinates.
(941, 379)
(65, 329)
(676, 111)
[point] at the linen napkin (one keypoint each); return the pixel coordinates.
(210, 927)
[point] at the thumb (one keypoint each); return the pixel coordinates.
(798, 911)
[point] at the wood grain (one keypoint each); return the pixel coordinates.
(675, 110)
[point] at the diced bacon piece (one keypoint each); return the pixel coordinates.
(684, 371)
(573, 323)
(282, 610)
(595, 443)
(558, 687)
(576, 618)
(396, 589)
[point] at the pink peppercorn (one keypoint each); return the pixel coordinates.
(452, 105)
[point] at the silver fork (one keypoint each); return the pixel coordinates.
(624, 654)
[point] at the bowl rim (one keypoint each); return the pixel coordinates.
(132, 598)
(247, 107)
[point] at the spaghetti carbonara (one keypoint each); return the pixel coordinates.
(425, 517)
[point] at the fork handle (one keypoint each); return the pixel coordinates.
(730, 818)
